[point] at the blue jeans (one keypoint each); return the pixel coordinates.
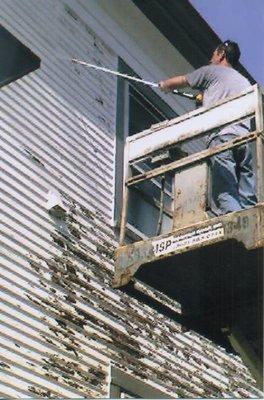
(233, 182)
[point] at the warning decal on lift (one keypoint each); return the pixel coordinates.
(174, 242)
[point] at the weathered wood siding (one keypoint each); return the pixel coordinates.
(60, 322)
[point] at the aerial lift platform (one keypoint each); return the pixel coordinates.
(192, 226)
(207, 268)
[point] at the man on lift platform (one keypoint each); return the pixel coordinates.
(233, 178)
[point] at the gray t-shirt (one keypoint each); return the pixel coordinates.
(218, 82)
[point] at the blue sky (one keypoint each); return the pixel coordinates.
(241, 21)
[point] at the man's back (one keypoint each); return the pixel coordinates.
(217, 82)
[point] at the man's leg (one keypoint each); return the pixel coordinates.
(246, 176)
(225, 193)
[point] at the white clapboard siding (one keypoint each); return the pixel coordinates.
(61, 323)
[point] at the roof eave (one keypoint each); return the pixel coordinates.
(185, 29)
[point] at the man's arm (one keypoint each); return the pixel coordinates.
(175, 82)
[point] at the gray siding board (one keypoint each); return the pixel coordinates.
(57, 63)
(80, 188)
(40, 139)
(71, 170)
(102, 151)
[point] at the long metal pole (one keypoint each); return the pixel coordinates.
(132, 78)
